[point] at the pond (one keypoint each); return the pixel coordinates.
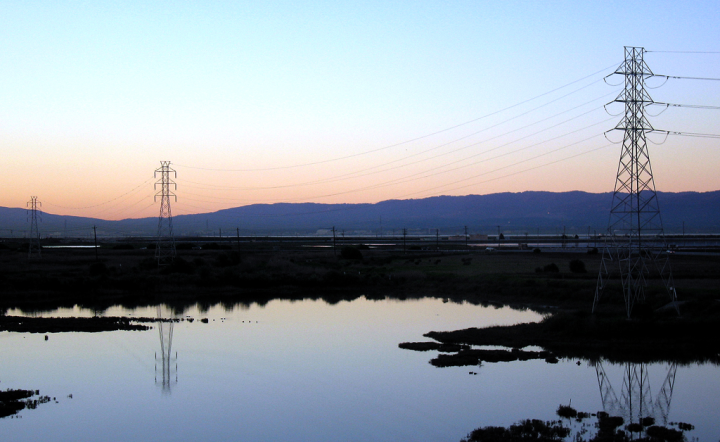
(309, 370)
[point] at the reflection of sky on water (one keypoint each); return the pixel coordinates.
(303, 370)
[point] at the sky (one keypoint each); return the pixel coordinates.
(340, 102)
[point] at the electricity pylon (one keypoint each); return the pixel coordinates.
(165, 246)
(34, 248)
(635, 239)
(636, 399)
(166, 329)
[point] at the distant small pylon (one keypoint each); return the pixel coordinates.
(165, 245)
(34, 248)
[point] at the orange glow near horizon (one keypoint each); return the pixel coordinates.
(337, 103)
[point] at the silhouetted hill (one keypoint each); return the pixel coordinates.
(513, 212)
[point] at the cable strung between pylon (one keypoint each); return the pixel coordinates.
(512, 174)
(675, 77)
(661, 143)
(689, 134)
(662, 111)
(401, 143)
(444, 185)
(691, 106)
(103, 203)
(687, 52)
(415, 177)
(430, 172)
(358, 174)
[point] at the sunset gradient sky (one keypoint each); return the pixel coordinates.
(329, 102)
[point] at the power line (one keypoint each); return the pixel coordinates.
(691, 106)
(403, 142)
(675, 77)
(511, 165)
(360, 173)
(358, 206)
(687, 52)
(105, 202)
(426, 173)
(688, 134)
(512, 174)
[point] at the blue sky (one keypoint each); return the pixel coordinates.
(94, 94)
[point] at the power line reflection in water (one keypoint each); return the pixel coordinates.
(168, 366)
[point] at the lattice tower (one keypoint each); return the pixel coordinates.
(634, 241)
(34, 248)
(165, 246)
(168, 363)
(636, 400)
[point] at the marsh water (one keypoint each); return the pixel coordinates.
(312, 371)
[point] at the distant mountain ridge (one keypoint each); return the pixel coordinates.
(546, 212)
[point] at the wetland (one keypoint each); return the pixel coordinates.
(274, 334)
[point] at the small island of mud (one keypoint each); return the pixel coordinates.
(13, 401)
(585, 336)
(602, 427)
(25, 324)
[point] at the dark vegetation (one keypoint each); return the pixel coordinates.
(607, 429)
(57, 325)
(13, 401)
(581, 335)
(214, 272)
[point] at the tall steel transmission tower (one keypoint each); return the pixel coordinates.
(166, 328)
(34, 248)
(635, 239)
(636, 398)
(165, 246)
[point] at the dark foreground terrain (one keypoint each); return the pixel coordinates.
(556, 281)
(560, 283)
(208, 273)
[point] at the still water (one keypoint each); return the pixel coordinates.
(309, 371)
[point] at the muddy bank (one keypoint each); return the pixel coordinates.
(581, 335)
(13, 401)
(58, 325)
(601, 427)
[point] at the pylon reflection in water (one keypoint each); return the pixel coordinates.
(636, 400)
(168, 363)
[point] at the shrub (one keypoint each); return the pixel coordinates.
(663, 433)
(551, 268)
(97, 268)
(634, 428)
(348, 252)
(227, 259)
(537, 250)
(577, 266)
(566, 411)
(647, 421)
